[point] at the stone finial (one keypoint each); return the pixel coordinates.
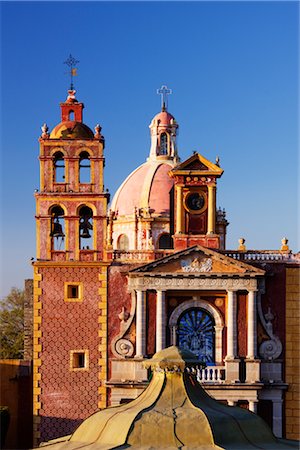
(71, 95)
(98, 129)
(173, 359)
(45, 129)
(217, 161)
(284, 246)
(242, 247)
(124, 315)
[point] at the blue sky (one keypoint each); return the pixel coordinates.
(233, 69)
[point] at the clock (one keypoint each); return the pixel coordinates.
(195, 202)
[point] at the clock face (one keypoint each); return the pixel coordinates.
(195, 201)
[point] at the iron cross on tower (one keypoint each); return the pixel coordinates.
(164, 92)
(72, 62)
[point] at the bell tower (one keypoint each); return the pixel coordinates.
(164, 131)
(71, 203)
(196, 221)
(70, 274)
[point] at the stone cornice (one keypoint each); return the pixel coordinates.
(194, 282)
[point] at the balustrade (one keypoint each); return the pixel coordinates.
(211, 374)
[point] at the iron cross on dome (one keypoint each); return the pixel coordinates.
(72, 62)
(164, 92)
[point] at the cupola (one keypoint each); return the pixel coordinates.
(71, 125)
(173, 412)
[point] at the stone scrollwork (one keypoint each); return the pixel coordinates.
(270, 349)
(122, 347)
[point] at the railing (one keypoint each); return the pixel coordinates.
(210, 374)
(263, 255)
(58, 255)
(140, 255)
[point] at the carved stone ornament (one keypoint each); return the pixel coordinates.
(197, 265)
(120, 346)
(124, 347)
(45, 130)
(272, 348)
(192, 283)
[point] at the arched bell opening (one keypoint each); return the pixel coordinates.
(84, 168)
(163, 146)
(71, 116)
(57, 232)
(86, 228)
(58, 168)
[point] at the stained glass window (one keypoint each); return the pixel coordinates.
(196, 333)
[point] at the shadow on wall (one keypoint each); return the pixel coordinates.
(55, 427)
(16, 395)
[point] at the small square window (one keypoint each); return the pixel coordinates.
(79, 360)
(73, 292)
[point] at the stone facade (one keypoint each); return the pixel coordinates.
(292, 372)
(100, 311)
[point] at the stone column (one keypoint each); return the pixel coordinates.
(211, 222)
(277, 417)
(140, 324)
(179, 210)
(253, 406)
(252, 363)
(160, 321)
(231, 361)
(251, 325)
(231, 325)
(174, 335)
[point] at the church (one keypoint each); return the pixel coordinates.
(115, 282)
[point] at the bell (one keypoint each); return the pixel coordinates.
(57, 230)
(84, 227)
(85, 234)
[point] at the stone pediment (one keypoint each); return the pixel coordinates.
(197, 165)
(198, 261)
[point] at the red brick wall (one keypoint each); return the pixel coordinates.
(67, 397)
(242, 324)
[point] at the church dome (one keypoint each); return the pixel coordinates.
(148, 186)
(173, 412)
(71, 130)
(164, 118)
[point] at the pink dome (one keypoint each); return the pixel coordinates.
(146, 187)
(164, 118)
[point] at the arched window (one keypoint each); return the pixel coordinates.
(71, 115)
(163, 144)
(196, 332)
(84, 168)
(123, 242)
(57, 228)
(85, 228)
(59, 167)
(165, 241)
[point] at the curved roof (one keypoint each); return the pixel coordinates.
(148, 186)
(164, 118)
(71, 130)
(173, 412)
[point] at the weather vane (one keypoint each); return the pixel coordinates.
(72, 62)
(164, 92)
